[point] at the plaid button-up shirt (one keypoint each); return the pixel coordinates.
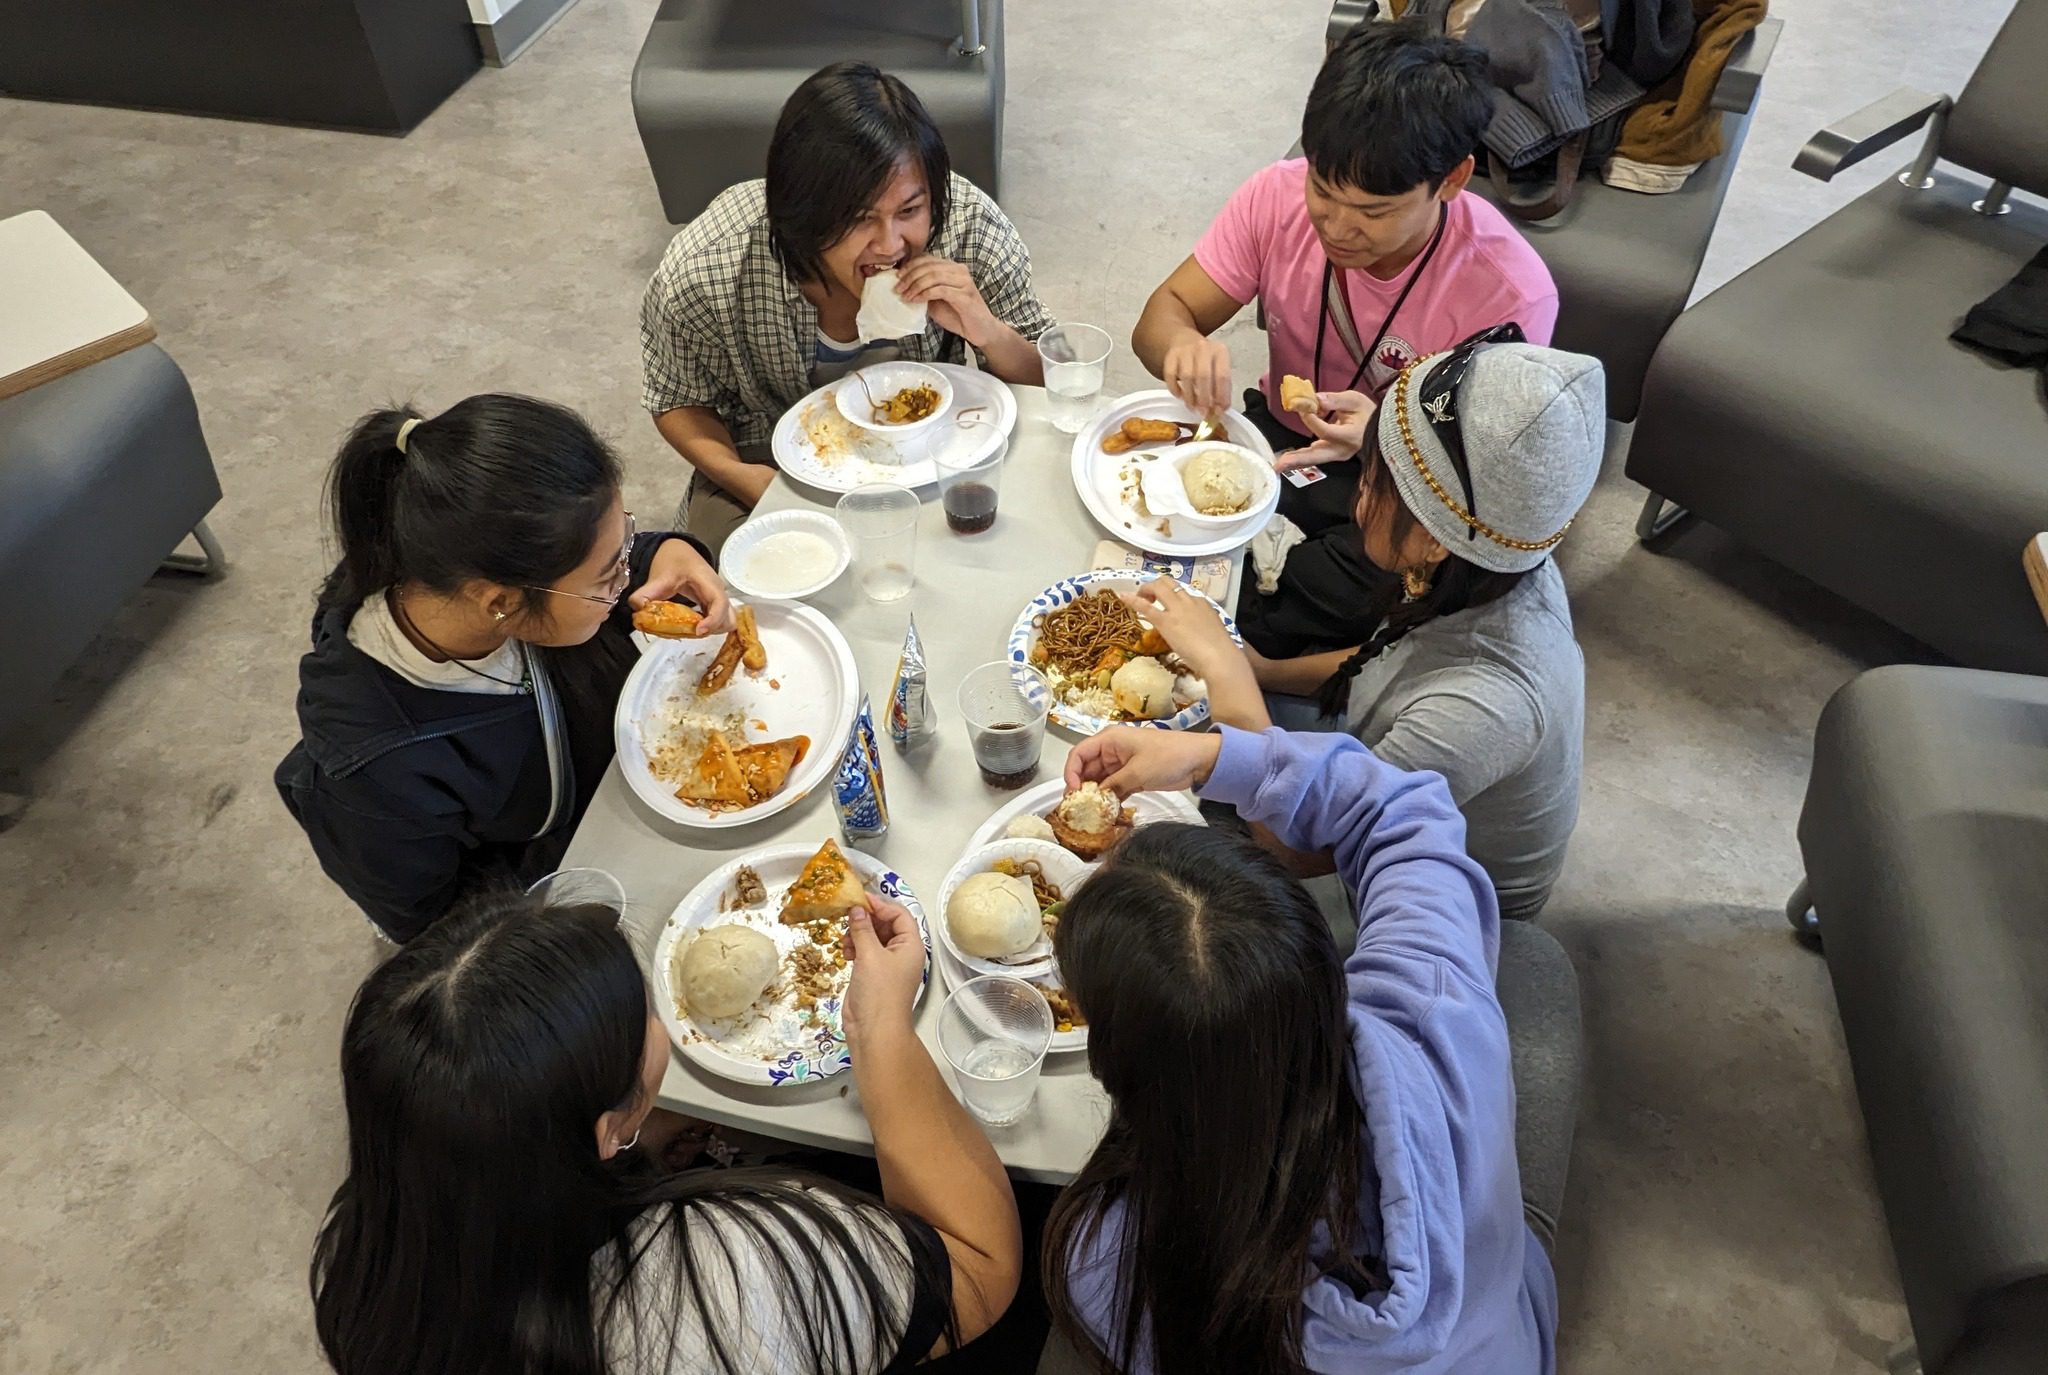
(723, 327)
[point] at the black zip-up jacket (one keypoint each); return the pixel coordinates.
(414, 797)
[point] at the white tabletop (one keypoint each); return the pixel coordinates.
(969, 591)
(59, 309)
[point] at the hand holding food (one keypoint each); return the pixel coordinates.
(1298, 394)
(947, 290)
(1124, 760)
(884, 314)
(1340, 431)
(888, 963)
(677, 568)
(1091, 819)
(1197, 371)
(1188, 624)
(670, 620)
(827, 888)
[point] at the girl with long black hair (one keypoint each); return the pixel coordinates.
(1474, 467)
(1310, 1159)
(499, 1217)
(468, 649)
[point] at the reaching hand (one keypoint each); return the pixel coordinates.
(677, 567)
(1188, 623)
(1127, 759)
(1197, 372)
(888, 960)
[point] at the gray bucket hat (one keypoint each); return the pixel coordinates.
(1534, 422)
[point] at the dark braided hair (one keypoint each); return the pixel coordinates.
(1459, 585)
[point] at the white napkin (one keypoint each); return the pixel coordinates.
(1269, 549)
(884, 314)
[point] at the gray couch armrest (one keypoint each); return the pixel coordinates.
(1872, 129)
(1735, 92)
(1345, 16)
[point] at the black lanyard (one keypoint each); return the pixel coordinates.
(1368, 347)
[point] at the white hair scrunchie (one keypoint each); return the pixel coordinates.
(406, 429)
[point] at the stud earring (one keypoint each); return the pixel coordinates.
(498, 616)
(1415, 582)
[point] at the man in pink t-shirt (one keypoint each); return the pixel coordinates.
(1365, 254)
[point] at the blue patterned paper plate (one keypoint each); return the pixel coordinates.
(773, 1042)
(1024, 636)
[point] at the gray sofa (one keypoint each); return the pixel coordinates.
(1925, 836)
(103, 473)
(712, 77)
(1816, 408)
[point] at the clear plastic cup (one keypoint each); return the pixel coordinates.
(881, 520)
(574, 887)
(1074, 357)
(1005, 728)
(968, 490)
(994, 1032)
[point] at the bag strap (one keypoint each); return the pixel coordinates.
(1340, 316)
(1569, 155)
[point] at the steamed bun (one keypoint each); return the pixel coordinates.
(1143, 689)
(1025, 826)
(1217, 482)
(994, 915)
(724, 969)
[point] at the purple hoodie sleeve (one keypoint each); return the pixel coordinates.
(1399, 840)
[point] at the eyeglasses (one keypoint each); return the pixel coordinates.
(616, 585)
(1438, 398)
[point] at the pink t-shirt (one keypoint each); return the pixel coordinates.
(1262, 245)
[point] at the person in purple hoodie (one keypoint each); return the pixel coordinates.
(1310, 1160)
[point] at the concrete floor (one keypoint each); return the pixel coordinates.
(174, 968)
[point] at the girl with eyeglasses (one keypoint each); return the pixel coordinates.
(1475, 464)
(468, 649)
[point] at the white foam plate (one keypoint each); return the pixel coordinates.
(771, 1042)
(1108, 483)
(1066, 870)
(739, 548)
(1024, 638)
(810, 687)
(1145, 808)
(1043, 797)
(975, 425)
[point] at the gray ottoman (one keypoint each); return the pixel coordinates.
(102, 473)
(713, 75)
(1925, 836)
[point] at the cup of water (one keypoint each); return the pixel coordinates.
(1074, 357)
(994, 1032)
(580, 887)
(881, 520)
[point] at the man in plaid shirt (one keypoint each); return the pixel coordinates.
(753, 305)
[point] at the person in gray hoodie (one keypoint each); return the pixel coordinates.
(1310, 1159)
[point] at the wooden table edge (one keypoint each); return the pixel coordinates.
(73, 360)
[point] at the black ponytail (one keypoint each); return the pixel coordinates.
(360, 488)
(505, 488)
(1457, 586)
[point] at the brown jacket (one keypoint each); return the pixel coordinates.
(1678, 126)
